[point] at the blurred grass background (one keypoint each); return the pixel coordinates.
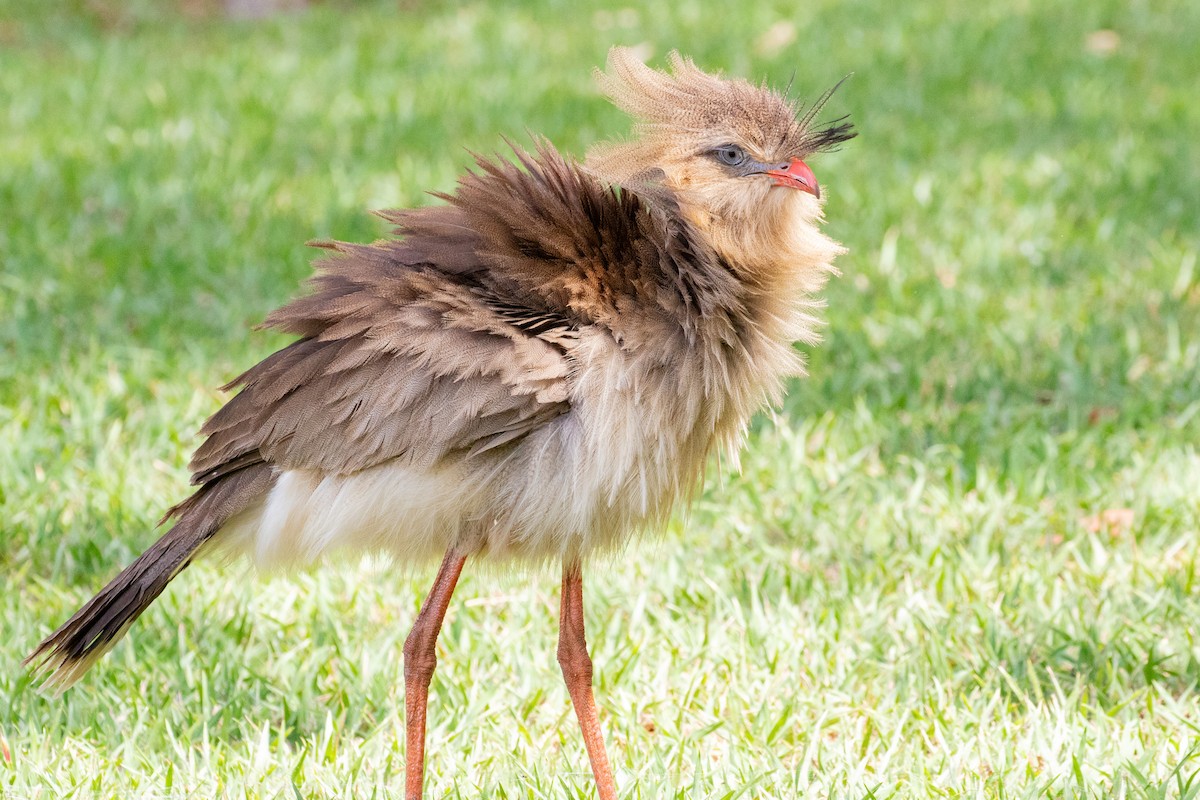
(961, 561)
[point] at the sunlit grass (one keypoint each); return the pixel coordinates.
(961, 561)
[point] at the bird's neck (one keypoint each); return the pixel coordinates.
(781, 260)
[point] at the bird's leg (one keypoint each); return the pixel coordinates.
(419, 661)
(577, 671)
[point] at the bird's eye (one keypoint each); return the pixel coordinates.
(731, 155)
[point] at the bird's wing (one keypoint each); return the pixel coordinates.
(457, 337)
(398, 362)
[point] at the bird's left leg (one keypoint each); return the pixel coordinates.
(420, 659)
(577, 671)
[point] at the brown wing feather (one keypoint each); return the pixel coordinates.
(411, 364)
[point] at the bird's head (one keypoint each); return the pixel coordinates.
(733, 153)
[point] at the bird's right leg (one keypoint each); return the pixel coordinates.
(419, 660)
(577, 671)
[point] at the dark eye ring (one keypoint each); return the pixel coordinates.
(731, 155)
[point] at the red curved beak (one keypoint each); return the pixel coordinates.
(796, 175)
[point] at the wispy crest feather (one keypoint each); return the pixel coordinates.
(668, 106)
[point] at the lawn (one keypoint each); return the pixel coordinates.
(961, 561)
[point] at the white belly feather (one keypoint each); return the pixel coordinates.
(635, 440)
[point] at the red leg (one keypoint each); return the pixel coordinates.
(577, 671)
(419, 660)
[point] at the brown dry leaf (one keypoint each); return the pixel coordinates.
(1100, 414)
(1103, 42)
(775, 38)
(1117, 521)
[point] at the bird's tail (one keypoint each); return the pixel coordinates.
(72, 649)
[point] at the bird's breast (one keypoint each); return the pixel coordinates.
(642, 426)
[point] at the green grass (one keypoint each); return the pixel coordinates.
(906, 593)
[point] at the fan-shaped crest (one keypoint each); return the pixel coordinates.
(688, 103)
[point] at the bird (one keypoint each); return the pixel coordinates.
(533, 372)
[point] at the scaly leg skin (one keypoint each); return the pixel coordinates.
(420, 659)
(577, 671)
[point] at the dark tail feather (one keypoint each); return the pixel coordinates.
(72, 649)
